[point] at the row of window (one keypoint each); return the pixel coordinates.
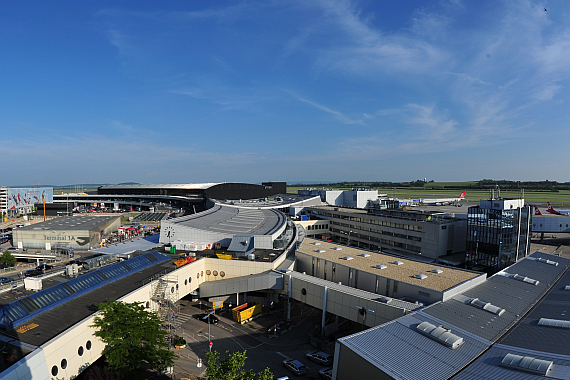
(382, 232)
(63, 364)
(318, 227)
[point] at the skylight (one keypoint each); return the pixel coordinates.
(440, 334)
(337, 248)
(554, 323)
(398, 262)
(438, 271)
(320, 250)
(549, 262)
(364, 255)
(347, 258)
(381, 266)
(421, 276)
(487, 306)
(527, 364)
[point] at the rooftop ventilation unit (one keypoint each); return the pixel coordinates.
(421, 276)
(549, 262)
(347, 258)
(438, 271)
(320, 250)
(524, 279)
(487, 306)
(364, 255)
(381, 266)
(527, 364)
(398, 262)
(440, 334)
(554, 323)
(337, 248)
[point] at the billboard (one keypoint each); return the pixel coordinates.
(28, 197)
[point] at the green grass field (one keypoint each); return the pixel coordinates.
(559, 198)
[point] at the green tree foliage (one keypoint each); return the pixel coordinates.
(231, 367)
(8, 259)
(132, 336)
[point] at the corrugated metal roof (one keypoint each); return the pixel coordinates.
(411, 355)
(406, 354)
(488, 365)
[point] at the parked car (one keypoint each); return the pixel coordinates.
(6, 280)
(33, 273)
(12, 250)
(44, 266)
(320, 357)
(204, 317)
(295, 366)
(326, 373)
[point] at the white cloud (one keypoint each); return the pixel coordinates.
(339, 116)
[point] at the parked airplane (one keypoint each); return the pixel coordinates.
(443, 201)
(551, 210)
(537, 211)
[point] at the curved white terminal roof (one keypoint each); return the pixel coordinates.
(222, 222)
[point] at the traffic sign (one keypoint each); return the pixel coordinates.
(211, 344)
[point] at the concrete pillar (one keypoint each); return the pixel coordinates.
(324, 311)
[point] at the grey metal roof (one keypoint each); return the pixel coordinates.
(163, 186)
(527, 334)
(354, 292)
(232, 220)
(478, 327)
(71, 223)
(488, 367)
(399, 350)
(516, 297)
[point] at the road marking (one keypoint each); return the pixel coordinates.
(285, 356)
(205, 336)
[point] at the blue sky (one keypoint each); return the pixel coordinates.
(251, 91)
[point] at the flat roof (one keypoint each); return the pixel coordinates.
(448, 278)
(75, 223)
(275, 201)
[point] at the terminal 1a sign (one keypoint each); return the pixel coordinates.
(79, 240)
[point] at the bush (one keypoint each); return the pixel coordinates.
(178, 341)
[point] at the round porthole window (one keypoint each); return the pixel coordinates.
(197, 275)
(304, 291)
(80, 351)
(63, 364)
(202, 273)
(54, 370)
(176, 286)
(208, 272)
(215, 273)
(222, 273)
(147, 304)
(185, 282)
(88, 345)
(172, 290)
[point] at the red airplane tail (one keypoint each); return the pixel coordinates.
(462, 196)
(551, 209)
(537, 211)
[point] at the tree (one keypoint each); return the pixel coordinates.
(132, 336)
(230, 368)
(8, 259)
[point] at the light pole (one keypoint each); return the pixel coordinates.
(363, 312)
(209, 339)
(348, 241)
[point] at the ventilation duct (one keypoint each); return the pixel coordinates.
(440, 334)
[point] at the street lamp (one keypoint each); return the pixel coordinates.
(209, 339)
(363, 312)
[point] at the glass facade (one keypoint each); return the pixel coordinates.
(496, 238)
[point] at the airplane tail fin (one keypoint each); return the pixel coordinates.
(537, 211)
(550, 206)
(462, 195)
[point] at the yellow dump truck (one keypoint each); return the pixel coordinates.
(247, 310)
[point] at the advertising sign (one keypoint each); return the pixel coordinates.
(27, 197)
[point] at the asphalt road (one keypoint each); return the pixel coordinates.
(262, 351)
